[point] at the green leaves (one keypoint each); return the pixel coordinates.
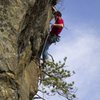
(55, 79)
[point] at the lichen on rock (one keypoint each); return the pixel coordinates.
(23, 28)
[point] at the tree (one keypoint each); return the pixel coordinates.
(55, 80)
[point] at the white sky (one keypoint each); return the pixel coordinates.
(81, 45)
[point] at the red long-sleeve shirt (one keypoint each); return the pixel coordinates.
(57, 30)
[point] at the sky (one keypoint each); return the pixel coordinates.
(80, 43)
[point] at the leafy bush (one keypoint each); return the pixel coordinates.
(54, 80)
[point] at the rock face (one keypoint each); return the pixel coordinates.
(23, 29)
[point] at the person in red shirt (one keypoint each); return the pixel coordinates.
(54, 35)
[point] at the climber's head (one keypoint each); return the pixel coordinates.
(57, 14)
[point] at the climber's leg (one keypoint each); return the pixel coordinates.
(45, 52)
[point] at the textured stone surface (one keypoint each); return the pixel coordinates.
(23, 28)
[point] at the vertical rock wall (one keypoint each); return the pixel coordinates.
(23, 28)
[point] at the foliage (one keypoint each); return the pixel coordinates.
(54, 80)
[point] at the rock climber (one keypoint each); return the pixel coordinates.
(54, 34)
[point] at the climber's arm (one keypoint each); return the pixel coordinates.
(58, 25)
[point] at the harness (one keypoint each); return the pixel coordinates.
(53, 38)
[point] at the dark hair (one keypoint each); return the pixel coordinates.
(58, 13)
